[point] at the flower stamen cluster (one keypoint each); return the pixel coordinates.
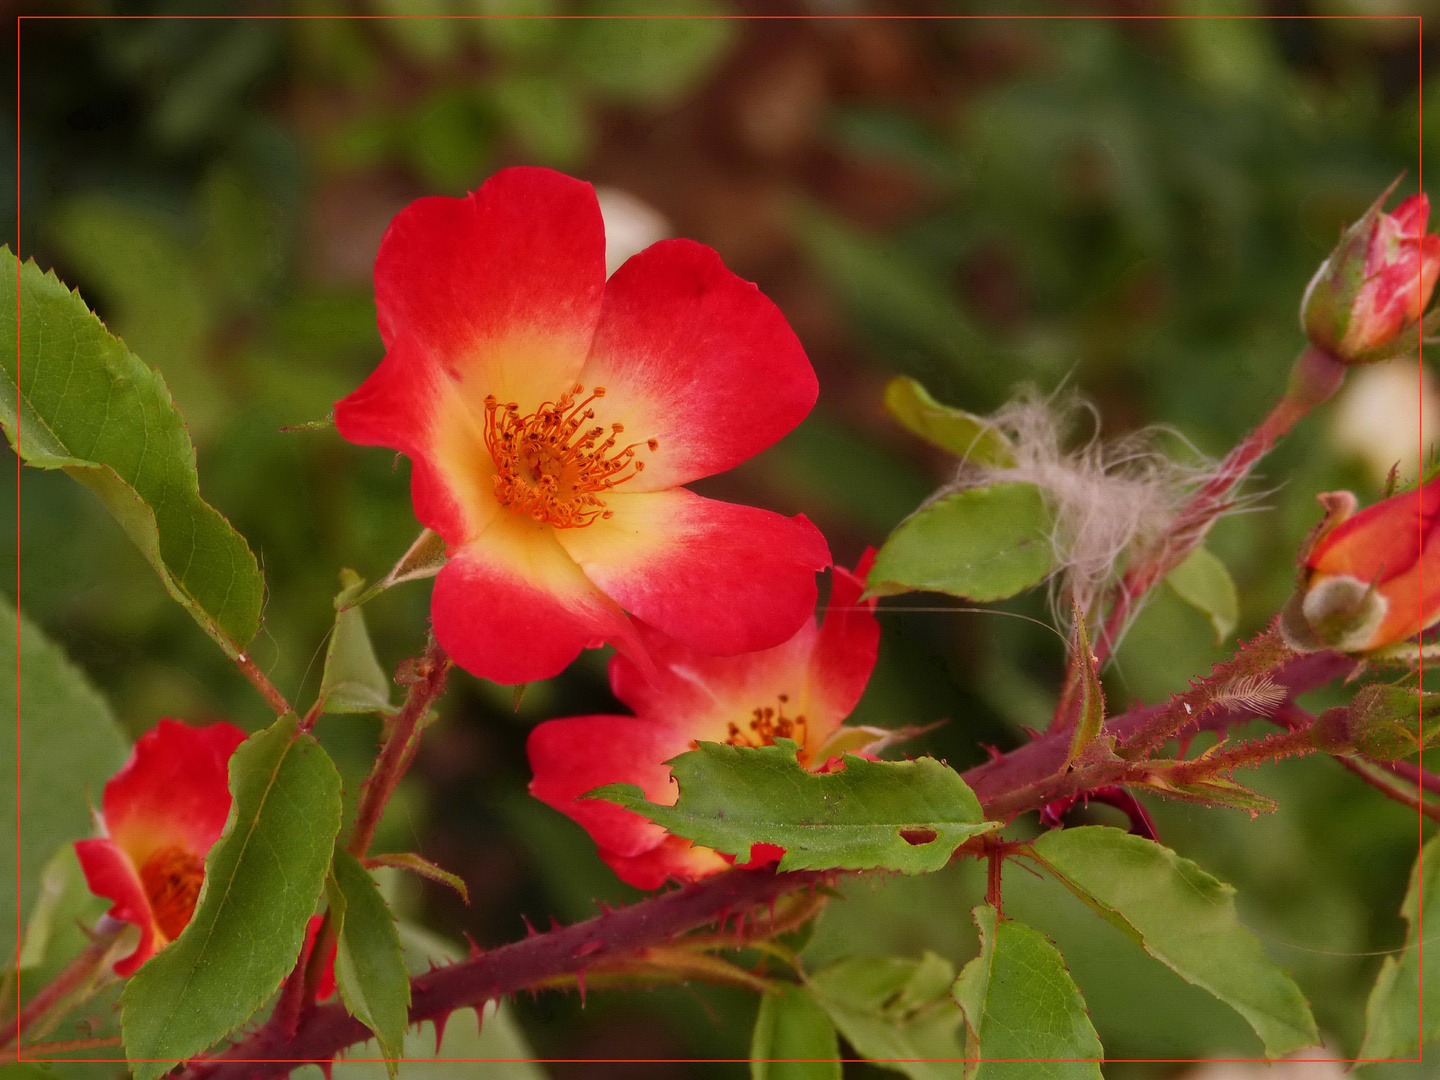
(172, 879)
(551, 466)
(767, 724)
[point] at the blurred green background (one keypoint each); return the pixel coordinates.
(1128, 207)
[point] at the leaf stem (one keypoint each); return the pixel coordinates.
(273, 697)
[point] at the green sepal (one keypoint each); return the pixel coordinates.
(353, 680)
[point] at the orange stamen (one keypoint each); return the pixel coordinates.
(171, 878)
(551, 466)
(766, 724)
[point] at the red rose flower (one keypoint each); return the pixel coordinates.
(161, 813)
(551, 418)
(799, 690)
(1374, 285)
(1373, 580)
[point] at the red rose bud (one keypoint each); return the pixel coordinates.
(1371, 581)
(1384, 723)
(1374, 286)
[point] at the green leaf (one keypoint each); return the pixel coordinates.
(649, 61)
(68, 745)
(1395, 1025)
(1204, 583)
(262, 879)
(354, 681)
(896, 1012)
(963, 434)
(1184, 918)
(894, 815)
(76, 399)
(1092, 696)
(369, 966)
(791, 1024)
(1022, 1008)
(983, 544)
(408, 860)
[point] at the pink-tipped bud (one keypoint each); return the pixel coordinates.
(1363, 301)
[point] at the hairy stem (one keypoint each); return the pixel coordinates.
(1316, 376)
(429, 682)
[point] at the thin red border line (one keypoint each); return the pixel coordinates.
(1023, 18)
(1420, 575)
(19, 915)
(730, 18)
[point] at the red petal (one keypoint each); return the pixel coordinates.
(109, 873)
(511, 605)
(1382, 541)
(174, 790)
(673, 860)
(820, 674)
(697, 358)
(326, 986)
(572, 756)
(701, 694)
(474, 281)
(848, 644)
(723, 579)
(1414, 596)
(1412, 214)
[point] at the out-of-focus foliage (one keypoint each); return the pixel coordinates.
(1130, 208)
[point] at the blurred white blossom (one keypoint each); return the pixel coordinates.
(1317, 1063)
(1387, 414)
(631, 225)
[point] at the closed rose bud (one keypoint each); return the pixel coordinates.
(1371, 581)
(1374, 286)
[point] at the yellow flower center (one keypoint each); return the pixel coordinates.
(552, 465)
(171, 878)
(766, 724)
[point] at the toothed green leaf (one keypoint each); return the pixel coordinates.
(894, 815)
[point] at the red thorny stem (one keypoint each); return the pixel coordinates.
(326, 1030)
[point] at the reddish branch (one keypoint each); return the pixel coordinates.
(329, 1029)
(325, 1031)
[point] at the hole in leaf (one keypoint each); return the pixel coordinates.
(918, 835)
